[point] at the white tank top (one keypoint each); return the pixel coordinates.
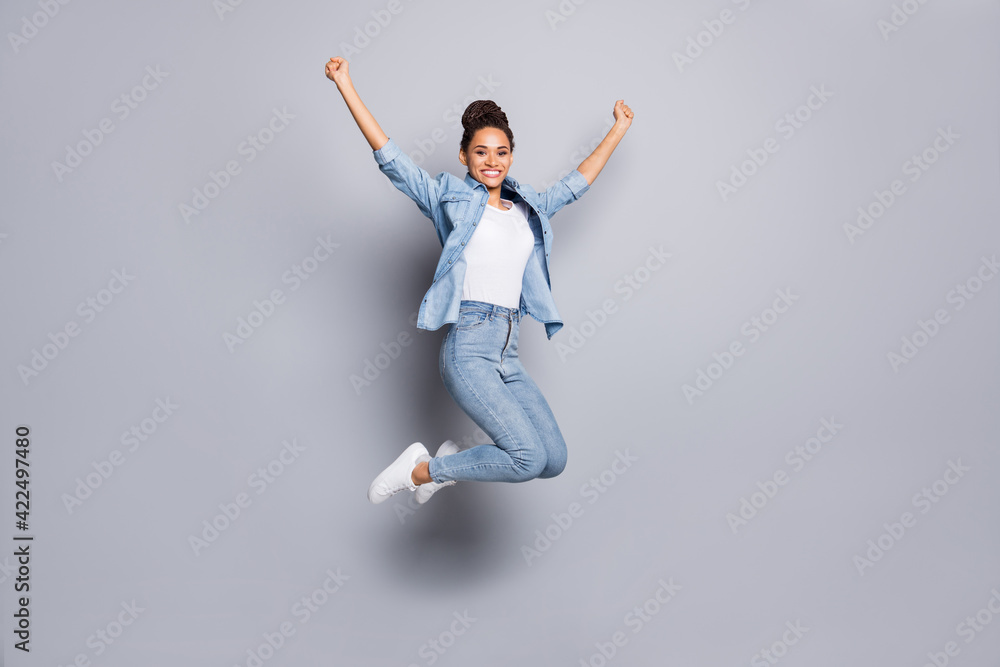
(496, 255)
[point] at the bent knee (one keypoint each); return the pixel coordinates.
(530, 468)
(553, 467)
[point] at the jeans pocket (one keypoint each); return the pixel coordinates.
(471, 319)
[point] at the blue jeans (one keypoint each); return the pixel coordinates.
(482, 372)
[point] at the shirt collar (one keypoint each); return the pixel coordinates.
(509, 181)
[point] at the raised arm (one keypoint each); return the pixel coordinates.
(408, 177)
(336, 71)
(592, 165)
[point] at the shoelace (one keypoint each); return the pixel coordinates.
(384, 489)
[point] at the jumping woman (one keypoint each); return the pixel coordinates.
(493, 270)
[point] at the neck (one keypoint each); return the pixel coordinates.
(494, 194)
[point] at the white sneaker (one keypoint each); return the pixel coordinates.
(425, 491)
(396, 477)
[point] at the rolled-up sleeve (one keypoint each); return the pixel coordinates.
(408, 177)
(566, 191)
(387, 153)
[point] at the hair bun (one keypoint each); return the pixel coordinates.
(481, 114)
(480, 109)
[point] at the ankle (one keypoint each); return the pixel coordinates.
(421, 473)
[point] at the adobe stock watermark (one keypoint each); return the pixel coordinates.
(248, 149)
(580, 153)
(787, 126)
(223, 7)
(898, 17)
(131, 440)
(914, 167)
(452, 116)
(104, 637)
(927, 330)
(752, 329)
(88, 309)
(714, 28)
(295, 276)
(593, 490)
(364, 34)
(923, 500)
(435, 647)
(372, 368)
(302, 610)
(779, 648)
(796, 458)
(30, 25)
(635, 619)
(562, 12)
(230, 511)
(628, 285)
(968, 629)
(122, 107)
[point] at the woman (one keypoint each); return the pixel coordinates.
(485, 282)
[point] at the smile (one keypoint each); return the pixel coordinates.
(490, 173)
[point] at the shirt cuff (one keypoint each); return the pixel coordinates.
(577, 183)
(389, 152)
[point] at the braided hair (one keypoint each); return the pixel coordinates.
(480, 114)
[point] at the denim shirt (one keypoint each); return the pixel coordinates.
(456, 206)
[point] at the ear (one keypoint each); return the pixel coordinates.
(461, 157)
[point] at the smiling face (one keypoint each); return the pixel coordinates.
(489, 156)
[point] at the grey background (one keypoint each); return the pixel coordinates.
(665, 517)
